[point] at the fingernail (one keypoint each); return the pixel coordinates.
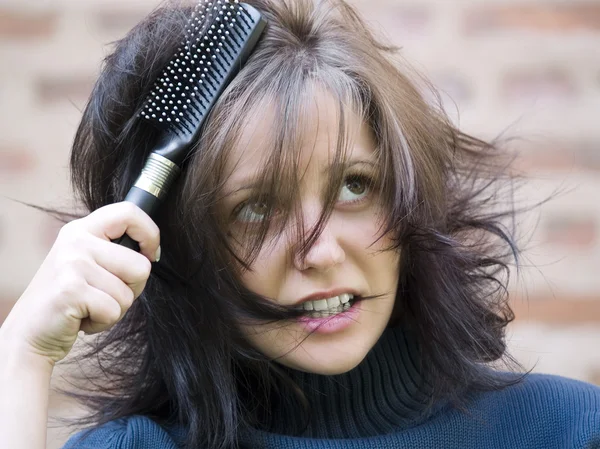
(157, 255)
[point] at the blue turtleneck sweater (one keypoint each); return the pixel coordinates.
(380, 404)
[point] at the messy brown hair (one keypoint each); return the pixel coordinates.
(178, 355)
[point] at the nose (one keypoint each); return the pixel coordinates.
(324, 254)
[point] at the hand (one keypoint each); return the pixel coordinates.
(85, 283)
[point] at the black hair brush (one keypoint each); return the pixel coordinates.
(221, 35)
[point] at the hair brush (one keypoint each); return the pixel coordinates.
(220, 37)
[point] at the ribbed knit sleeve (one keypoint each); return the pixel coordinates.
(136, 432)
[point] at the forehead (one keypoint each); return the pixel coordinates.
(312, 134)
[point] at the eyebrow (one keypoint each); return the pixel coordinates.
(349, 164)
(250, 185)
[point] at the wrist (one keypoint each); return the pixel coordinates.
(17, 356)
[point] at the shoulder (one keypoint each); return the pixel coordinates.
(547, 393)
(555, 391)
(553, 406)
(133, 432)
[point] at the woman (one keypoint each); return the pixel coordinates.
(332, 266)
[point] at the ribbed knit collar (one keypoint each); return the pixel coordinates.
(384, 393)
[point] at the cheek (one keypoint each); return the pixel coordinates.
(359, 232)
(268, 271)
(370, 253)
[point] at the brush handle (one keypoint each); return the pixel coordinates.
(152, 185)
(145, 201)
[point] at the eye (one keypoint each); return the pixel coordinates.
(252, 211)
(355, 188)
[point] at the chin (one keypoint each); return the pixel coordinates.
(328, 369)
(327, 355)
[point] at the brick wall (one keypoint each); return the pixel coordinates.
(522, 68)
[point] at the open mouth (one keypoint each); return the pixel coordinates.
(329, 307)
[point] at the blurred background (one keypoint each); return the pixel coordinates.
(522, 69)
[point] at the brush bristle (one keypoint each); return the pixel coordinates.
(216, 39)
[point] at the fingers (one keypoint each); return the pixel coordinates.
(112, 221)
(129, 266)
(110, 284)
(103, 311)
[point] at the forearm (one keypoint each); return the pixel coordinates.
(24, 390)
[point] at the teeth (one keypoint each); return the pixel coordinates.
(333, 302)
(326, 307)
(320, 305)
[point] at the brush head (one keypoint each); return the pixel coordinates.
(219, 38)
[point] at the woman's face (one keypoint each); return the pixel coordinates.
(343, 261)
